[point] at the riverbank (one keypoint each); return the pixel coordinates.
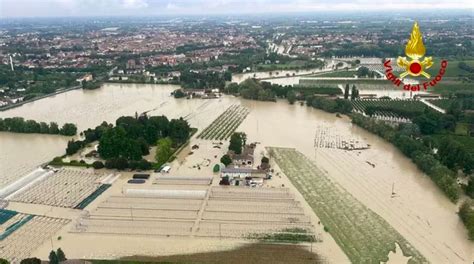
(59, 91)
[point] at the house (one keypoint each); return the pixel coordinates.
(245, 158)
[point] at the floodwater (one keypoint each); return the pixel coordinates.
(419, 211)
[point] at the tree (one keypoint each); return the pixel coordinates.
(226, 160)
(53, 258)
(31, 261)
(265, 160)
(216, 168)
(291, 96)
(237, 141)
(97, 165)
(346, 92)
(61, 255)
(4, 261)
(354, 92)
(68, 129)
(163, 150)
(179, 93)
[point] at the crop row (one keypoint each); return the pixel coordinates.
(390, 108)
(225, 124)
(363, 235)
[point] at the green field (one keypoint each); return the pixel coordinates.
(391, 108)
(361, 84)
(452, 71)
(225, 124)
(363, 235)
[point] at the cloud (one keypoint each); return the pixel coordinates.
(134, 4)
(42, 8)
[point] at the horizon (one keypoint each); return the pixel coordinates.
(10, 9)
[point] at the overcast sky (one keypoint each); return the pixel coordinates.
(54, 8)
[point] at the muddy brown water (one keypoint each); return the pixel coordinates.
(419, 211)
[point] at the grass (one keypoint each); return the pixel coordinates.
(462, 129)
(361, 84)
(288, 235)
(363, 235)
(254, 254)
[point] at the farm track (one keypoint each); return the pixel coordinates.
(363, 235)
(225, 124)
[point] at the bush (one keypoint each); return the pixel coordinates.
(226, 160)
(466, 213)
(31, 261)
(98, 165)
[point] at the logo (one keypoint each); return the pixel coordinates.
(414, 66)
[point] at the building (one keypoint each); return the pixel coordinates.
(246, 158)
(242, 173)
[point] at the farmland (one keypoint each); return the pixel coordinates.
(361, 84)
(225, 124)
(368, 241)
(389, 108)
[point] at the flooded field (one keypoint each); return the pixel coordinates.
(418, 211)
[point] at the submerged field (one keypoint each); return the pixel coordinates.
(252, 253)
(225, 124)
(363, 235)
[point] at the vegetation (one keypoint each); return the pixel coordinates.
(287, 235)
(262, 253)
(123, 145)
(163, 150)
(204, 79)
(20, 125)
(331, 105)
(226, 160)
(237, 142)
(370, 240)
(53, 258)
(31, 261)
(466, 213)
(390, 108)
(224, 125)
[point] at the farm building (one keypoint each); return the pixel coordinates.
(242, 173)
(245, 158)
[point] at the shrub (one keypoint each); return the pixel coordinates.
(98, 165)
(31, 261)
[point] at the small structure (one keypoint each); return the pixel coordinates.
(244, 175)
(245, 158)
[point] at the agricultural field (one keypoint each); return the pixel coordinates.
(390, 108)
(343, 73)
(363, 235)
(361, 84)
(223, 127)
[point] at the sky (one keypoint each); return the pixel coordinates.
(64, 8)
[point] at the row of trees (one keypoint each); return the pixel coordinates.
(55, 257)
(204, 79)
(20, 125)
(265, 91)
(354, 92)
(329, 105)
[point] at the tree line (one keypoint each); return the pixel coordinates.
(20, 125)
(123, 145)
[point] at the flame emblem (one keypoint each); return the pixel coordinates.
(415, 50)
